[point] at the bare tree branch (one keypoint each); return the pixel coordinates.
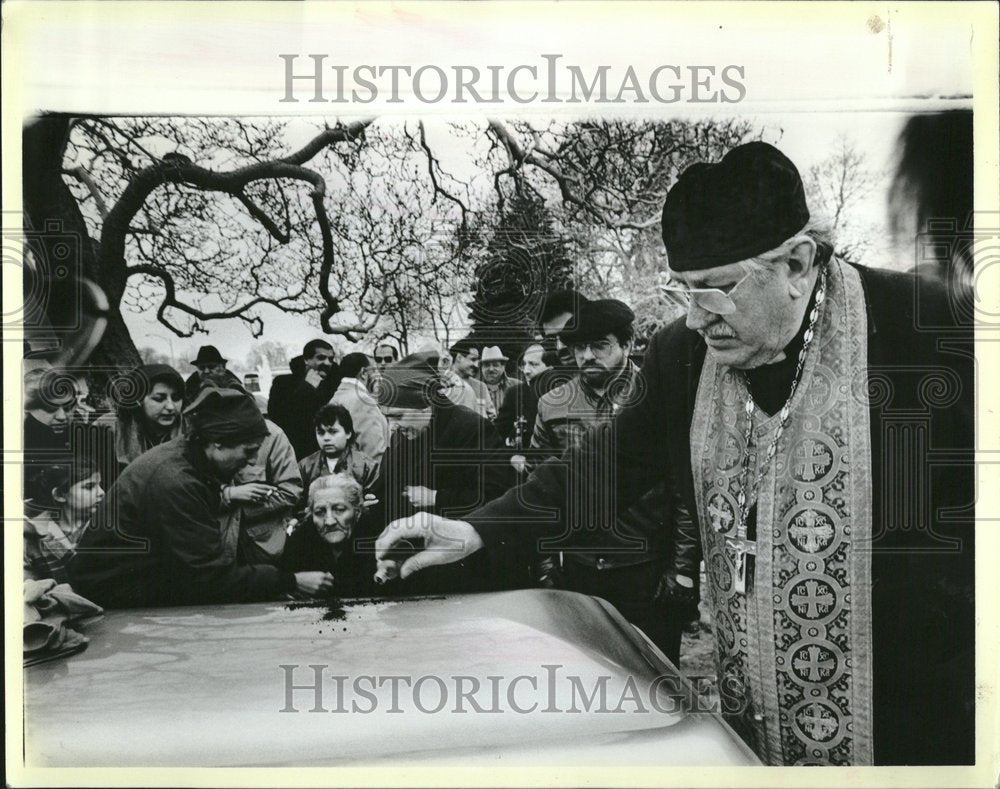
(81, 174)
(261, 216)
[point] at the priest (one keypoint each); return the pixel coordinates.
(818, 418)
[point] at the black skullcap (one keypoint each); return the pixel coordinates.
(411, 382)
(595, 320)
(749, 203)
(226, 415)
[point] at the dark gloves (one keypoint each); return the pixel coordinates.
(547, 573)
(681, 600)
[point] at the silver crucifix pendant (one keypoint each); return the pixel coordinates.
(742, 552)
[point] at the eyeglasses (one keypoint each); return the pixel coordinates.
(384, 359)
(715, 300)
(598, 347)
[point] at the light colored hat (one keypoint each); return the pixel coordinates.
(492, 353)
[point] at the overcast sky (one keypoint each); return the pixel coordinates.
(806, 138)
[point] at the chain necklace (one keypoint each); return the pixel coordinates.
(740, 547)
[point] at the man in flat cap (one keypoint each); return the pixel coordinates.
(819, 419)
(160, 538)
(618, 559)
(442, 457)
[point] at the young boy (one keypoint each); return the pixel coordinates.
(337, 452)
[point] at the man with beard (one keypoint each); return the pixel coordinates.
(818, 417)
(619, 559)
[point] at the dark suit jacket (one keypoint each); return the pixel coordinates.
(292, 404)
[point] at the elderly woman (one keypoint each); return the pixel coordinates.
(148, 411)
(328, 538)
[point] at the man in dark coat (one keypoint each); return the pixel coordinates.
(442, 457)
(619, 559)
(160, 538)
(209, 362)
(558, 314)
(818, 418)
(294, 400)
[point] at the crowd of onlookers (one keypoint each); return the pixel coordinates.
(201, 490)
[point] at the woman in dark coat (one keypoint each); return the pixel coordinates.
(329, 537)
(147, 412)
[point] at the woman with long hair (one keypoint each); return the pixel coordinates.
(147, 411)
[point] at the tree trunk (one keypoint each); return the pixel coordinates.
(57, 236)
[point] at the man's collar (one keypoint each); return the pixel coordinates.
(355, 383)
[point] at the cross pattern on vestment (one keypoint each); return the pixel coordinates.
(730, 453)
(720, 517)
(815, 601)
(818, 665)
(813, 457)
(818, 722)
(811, 530)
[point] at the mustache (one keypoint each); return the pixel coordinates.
(718, 333)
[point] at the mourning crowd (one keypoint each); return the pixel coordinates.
(752, 442)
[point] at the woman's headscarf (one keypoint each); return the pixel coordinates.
(132, 437)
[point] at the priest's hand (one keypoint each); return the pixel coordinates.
(422, 498)
(444, 541)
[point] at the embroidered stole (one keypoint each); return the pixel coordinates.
(794, 652)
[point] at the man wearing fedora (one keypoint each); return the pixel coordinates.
(493, 373)
(208, 361)
(818, 417)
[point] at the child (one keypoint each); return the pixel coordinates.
(337, 453)
(58, 516)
